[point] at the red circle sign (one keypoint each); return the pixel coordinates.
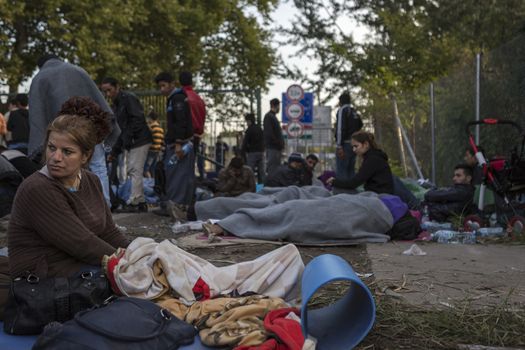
(295, 129)
(294, 111)
(295, 92)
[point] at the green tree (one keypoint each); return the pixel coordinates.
(219, 40)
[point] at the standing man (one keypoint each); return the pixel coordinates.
(221, 148)
(348, 122)
(53, 85)
(273, 137)
(471, 160)
(18, 125)
(135, 140)
(179, 174)
(253, 147)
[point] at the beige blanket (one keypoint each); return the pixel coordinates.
(149, 269)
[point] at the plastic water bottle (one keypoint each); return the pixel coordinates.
(490, 231)
(432, 226)
(424, 215)
(454, 237)
(186, 148)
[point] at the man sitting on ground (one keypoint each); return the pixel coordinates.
(311, 162)
(290, 174)
(452, 201)
(236, 179)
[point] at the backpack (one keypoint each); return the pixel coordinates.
(124, 324)
(406, 228)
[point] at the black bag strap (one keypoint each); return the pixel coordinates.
(164, 321)
(61, 299)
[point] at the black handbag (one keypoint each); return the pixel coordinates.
(125, 323)
(33, 302)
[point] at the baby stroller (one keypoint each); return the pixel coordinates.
(505, 176)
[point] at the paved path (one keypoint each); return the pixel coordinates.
(483, 274)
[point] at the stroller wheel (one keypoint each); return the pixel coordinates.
(516, 226)
(472, 223)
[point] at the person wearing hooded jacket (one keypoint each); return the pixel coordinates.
(375, 173)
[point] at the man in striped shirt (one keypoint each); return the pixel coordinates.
(158, 141)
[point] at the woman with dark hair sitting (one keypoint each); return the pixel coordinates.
(60, 222)
(374, 173)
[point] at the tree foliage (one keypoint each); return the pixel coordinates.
(411, 43)
(219, 40)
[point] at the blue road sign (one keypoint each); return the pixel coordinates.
(308, 104)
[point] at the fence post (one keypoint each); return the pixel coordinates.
(259, 107)
(478, 91)
(432, 133)
(399, 135)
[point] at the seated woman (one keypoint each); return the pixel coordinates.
(60, 222)
(375, 173)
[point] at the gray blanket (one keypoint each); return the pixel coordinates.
(221, 207)
(299, 215)
(342, 217)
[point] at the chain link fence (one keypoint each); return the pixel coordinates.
(501, 82)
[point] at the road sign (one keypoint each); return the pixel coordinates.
(294, 111)
(307, 102)
(294, 129)
(295, 92)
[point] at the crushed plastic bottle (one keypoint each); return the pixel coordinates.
(454, 237)
(490, 231)
(432, 226)
(186, 148)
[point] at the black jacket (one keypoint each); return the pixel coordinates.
(273, 135)
(448, 201)
(374, 173)
(130, 118)
(178, 118)
(253, 139)
(18, 124)
(285, 176)
(348, 121)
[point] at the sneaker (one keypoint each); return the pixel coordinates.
(142, 207)
(127, 208)
(161, 212)
(177, 211)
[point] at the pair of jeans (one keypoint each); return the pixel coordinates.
(345, 168)
(135, 160)
(255, 160)
(98, 166)
(273, 160)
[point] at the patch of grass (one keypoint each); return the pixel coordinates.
(402, 326)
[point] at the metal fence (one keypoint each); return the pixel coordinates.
(491, 85)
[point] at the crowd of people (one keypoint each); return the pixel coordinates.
(62, 147)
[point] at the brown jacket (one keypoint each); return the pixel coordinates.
(231, 186)
(55, 232)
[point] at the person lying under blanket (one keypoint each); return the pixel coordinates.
(301, 214)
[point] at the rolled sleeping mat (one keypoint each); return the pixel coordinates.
(343, 324)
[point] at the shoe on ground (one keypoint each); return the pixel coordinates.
(142, 207)
(177, 211)
(161, 212)
(133, 208)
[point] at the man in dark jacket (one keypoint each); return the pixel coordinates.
(291, 174)
(18, 125)
(273, 137)
(253, 146)
(180, 175)
(348, 122)
(135, 140)
(445, 202)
